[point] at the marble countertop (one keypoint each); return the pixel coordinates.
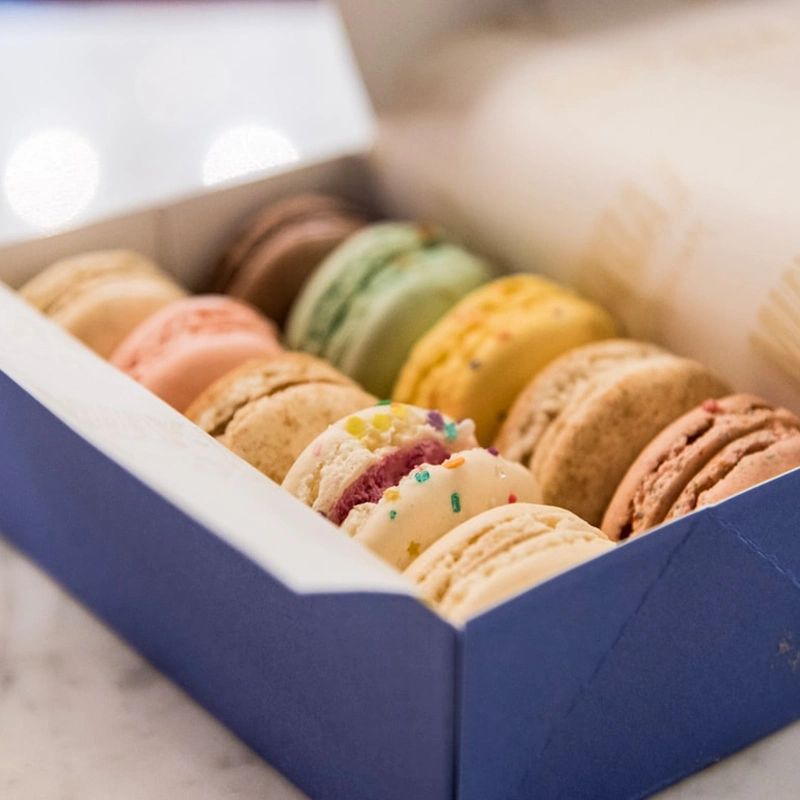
(81, 714)
(84, 717)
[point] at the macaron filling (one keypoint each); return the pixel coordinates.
(371, 484)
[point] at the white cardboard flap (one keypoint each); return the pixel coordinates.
(188, 235)
(116, 106)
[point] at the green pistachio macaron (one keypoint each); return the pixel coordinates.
(375, 295)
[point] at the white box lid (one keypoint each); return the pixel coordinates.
(115, 106)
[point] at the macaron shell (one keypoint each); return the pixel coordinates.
(188, 367)
(319, 308)
(435, 498)
(100, 297)
(731, 473)
(669, 462)
(51, 287)
(587, 450)
(363, 440)
(500, 553)
(366, 306)
(521, 570)
(268, 410)
(438, 358)
(385, 321)
(105, 317)
(544, 398)
(688, 463)
(276, 271)
(271, 432)
(183, 348)
(277, 251)
(478, 358)
(253, 380)
(273, 218)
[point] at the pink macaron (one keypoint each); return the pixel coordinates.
(183, 348)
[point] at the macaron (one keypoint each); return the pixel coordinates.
(101, 296)
(275, 252)
(479, 356)
(718, 449)
(582, 421)
(500, 553)
(185, 346)
(433, 498)
(268, 410)
(375, 295)
(360, 456)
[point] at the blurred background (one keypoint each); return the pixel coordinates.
(108, 106)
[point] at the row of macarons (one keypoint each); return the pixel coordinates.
(313, 275)
(472, 527)
(607, 442)
(535, 372)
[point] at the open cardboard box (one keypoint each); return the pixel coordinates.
(613, 679)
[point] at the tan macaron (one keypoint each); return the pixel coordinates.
(101, 296)
(500, 553)
(583, 420)
(268, 410)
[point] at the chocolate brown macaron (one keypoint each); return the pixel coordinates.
(583, 420)
(268, 410)
(714, 451)
(271, 257)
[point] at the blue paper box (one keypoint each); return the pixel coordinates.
(611, 680)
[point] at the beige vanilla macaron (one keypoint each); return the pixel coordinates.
(268, 410)
(432, 499)
(360, 456)
(101, 296)
(396, 477)
(583, 420)
(500, 553)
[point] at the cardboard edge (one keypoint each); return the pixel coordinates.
(154, 230)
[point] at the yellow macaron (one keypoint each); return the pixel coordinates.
(477, 358)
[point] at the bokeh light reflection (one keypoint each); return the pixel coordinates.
(51, 177)
(246, 149)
